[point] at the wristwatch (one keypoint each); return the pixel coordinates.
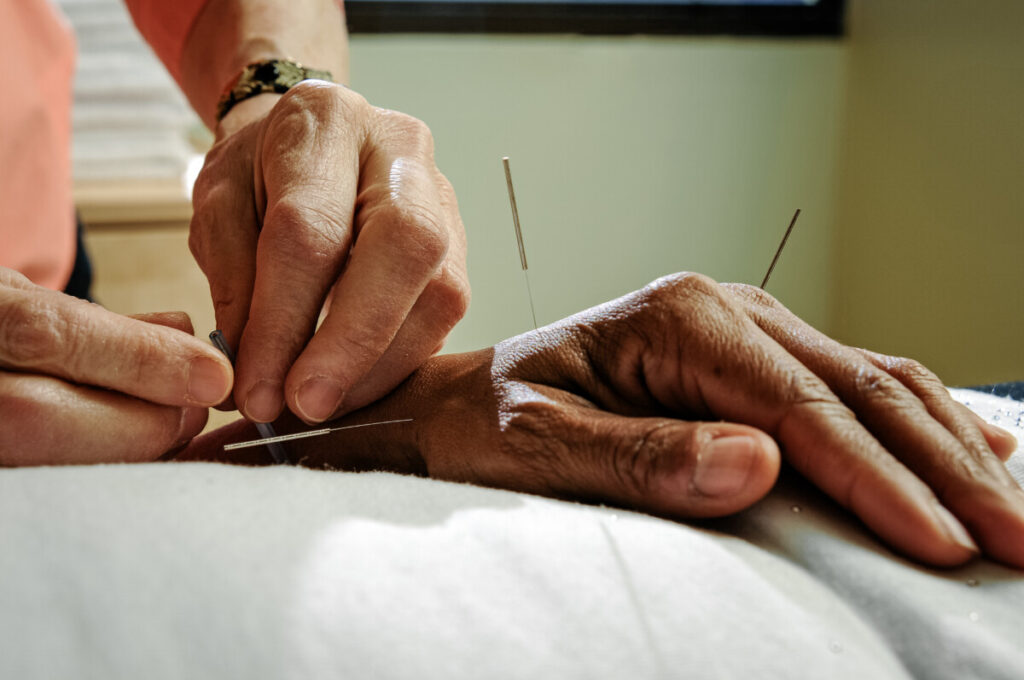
(269, 75)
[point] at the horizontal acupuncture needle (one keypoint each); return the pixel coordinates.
(782, 245)
(266, 430)
(519, 236)
(270, 441)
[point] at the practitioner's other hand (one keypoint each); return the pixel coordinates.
(671, 400)
(317, 200)
(80, 384)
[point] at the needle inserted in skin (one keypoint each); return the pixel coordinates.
(302, 435)
(782, 245)
(519, 236)
(266, 430)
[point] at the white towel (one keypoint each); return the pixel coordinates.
(214, 571)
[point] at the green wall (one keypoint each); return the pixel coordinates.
(632, 158)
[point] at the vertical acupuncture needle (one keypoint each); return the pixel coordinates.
(612, 543)
(266, 430)
(782, 245)
(519, 236)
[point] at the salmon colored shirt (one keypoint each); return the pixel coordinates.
(37, 61)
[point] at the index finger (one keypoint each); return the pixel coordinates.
(402, 242)
(46, 332)
(307, 165)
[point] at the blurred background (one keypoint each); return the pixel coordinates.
(895, 126)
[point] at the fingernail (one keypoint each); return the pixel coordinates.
(191, 424)
(264, 402)
(954, 529)
(317, 398)
(724, 466)
(208, 381)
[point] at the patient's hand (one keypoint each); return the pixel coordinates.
(627, 402)
(80, 384)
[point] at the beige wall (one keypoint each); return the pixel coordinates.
(930, 256)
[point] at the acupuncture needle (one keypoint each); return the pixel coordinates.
(612, 543)
(782, 245)
(266, 430)
(519, 236)
(270, 441)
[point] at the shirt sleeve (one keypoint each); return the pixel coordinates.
(165, 26)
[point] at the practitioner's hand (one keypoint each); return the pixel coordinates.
(318, 197)
(625, 403)
(80, 384)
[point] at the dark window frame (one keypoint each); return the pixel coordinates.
(824, 18)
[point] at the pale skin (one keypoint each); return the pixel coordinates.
(307, 199)
(683, 399)
(317, 201)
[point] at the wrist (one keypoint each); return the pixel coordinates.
(245, 112)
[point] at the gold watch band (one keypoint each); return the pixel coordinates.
(268, 75)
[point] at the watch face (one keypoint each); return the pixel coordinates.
(266, 72)
(272, 75)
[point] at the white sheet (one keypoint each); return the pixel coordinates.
(211, 571)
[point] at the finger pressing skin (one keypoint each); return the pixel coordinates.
(307, 165)
(439, 308)
(51, 422)
(402, 242)
(46, 332)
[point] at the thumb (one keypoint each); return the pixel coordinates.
(670, 467)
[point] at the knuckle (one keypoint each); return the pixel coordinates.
(637, 462)
(751, 294)
(361, 345)
(685, 282)
(912, 371)
(814, 401)
(450, 296)
(303, 230)
(210, 176)
(430, 238)
(33, 332)
(878, 384)
(803, 387)
(308, 94)
(224, 299)
(140, 353)
(689, 288)
(417, 231)
(406, 125)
